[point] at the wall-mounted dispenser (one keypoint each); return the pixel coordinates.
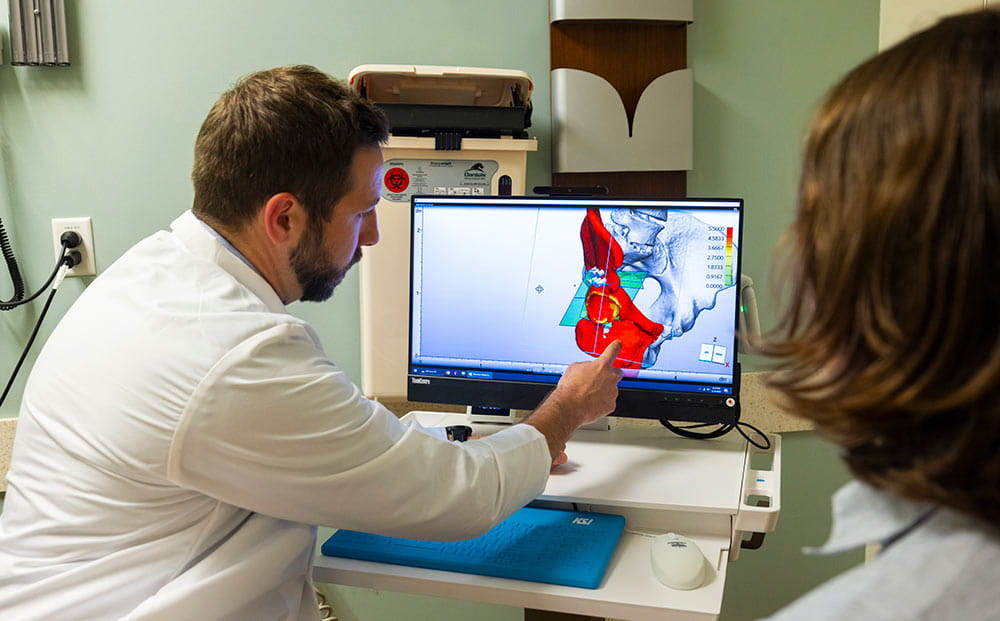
(38, 33)
(454, 131)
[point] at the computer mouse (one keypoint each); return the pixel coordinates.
(677, 562)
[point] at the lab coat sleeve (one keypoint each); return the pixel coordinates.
(277, 428)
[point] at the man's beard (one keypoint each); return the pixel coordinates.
(316, 273)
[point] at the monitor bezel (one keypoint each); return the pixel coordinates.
(723, 409)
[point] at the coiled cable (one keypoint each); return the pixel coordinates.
(325, 609)
(12, 269)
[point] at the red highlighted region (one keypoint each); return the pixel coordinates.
(610, 313)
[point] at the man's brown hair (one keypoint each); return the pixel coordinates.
(891, 342)
(289, 129)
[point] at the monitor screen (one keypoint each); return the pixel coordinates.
(506, 292)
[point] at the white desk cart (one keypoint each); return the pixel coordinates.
(659, 482)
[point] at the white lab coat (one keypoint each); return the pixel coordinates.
(181, 432)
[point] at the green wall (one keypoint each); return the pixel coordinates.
(760, 69)
(111, 137)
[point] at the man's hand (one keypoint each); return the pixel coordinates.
(592, 386)
(560, 459)
(586, 392)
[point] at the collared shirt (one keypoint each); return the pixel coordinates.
(227, 245)
(935, 563)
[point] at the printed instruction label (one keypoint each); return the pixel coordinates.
(403, 178)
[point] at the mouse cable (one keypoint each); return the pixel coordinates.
(724, 428)
(65, 263)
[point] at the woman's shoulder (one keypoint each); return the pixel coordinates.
(944, 568)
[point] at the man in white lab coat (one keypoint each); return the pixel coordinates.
(178, 473)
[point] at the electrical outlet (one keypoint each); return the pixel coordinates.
(85, 227)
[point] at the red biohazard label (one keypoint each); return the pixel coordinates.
(396, 180)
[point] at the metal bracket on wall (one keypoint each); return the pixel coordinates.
(38, 33)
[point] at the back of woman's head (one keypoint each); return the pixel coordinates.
(891, 343)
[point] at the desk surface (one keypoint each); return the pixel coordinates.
(651, 469)
(659, 481)
(629, 590)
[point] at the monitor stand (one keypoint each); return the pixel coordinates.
(498, 416)
(601, 424)
(506, 416)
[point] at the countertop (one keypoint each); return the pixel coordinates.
(7, 426)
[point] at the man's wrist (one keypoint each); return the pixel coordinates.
(554, 422)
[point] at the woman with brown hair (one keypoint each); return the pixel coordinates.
(891, 342)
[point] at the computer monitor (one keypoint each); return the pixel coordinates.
(506, 292)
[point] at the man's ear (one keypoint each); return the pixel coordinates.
(284, 219)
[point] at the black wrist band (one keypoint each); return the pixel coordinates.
(458, 433)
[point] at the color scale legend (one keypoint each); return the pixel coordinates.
(729, 256)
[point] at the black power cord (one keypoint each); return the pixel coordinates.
(721, 430)
(67, 260)
(69, 239)
(31, 341)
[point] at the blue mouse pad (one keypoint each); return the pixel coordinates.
(571, 548)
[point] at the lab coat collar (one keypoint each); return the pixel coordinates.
(200, 241)
(863, 514)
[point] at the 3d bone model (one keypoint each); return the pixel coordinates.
(655, 248)
(610, 313)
